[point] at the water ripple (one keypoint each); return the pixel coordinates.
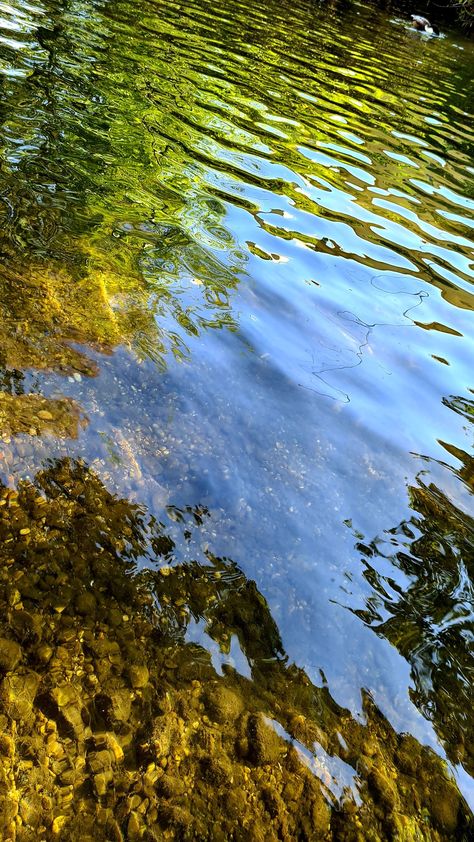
(280, 196)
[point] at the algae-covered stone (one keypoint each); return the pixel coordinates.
(174, 817)
(408, 755)
(7, 745)
(10, 654)
(68, 698)
(25, 623)
(100, 760)
(383, 788)
(264, 744)
(222, 704)
(320, 813)
(445, 804)
(134, 827)
(59, 825)
(121, 704)
(29, 810)
(86, 603)
(215, 770)
(18, 692)
(293, 789)
(169, 786)
(139, 675)
(101, 781)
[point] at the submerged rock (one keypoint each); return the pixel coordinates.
(17, 694)
(139, 675)
(10, 654)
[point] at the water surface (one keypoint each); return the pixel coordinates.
(237, 264)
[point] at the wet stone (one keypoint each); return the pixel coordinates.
(445, 804)
(86, 603)
(18, 692)
(114, 748)
(10, 654)
(134, 827)
(139, 675)
(383, 788)
(121, 704)
(7, 745)
(169, 786)
(58, 825)
(102, 780)
(100, 760)
(222, 704)
(264, 745)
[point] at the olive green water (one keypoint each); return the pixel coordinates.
(236, 412)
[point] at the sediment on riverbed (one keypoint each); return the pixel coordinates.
(114, 726)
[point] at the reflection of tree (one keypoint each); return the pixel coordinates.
(114, 724)
(86, 262)
(430, 619)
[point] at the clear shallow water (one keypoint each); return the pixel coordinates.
(241, 241)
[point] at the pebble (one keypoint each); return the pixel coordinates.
(10, 654)
(58, 824)
(101, 781)
(139, 675)
(115, 748)
(133, 827)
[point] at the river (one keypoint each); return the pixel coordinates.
(237, 291)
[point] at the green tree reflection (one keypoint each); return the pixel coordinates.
(96, 245)
(430, 617)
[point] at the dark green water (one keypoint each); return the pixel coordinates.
(237, 274)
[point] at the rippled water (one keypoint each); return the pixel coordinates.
(240, 240)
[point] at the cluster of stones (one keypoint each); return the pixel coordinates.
(112, 727)
(35, 416)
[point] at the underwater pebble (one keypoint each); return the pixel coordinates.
(139, 675)
(10, 654)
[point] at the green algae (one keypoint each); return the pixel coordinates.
(115, 726)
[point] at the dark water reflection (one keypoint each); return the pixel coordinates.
(237, 264)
